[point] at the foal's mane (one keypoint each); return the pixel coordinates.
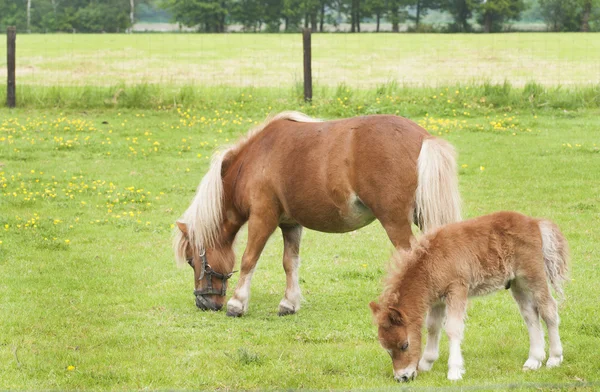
(400, 263)
(204, 216)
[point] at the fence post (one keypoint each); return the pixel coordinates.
(307, 65)
(11, 38)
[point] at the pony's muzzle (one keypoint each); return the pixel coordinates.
(204, 303)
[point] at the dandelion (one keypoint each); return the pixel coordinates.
(70, 368)
(464, 166)
(67, 242)
(481, 168)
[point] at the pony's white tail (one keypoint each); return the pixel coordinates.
(556, 255)
(437, 200)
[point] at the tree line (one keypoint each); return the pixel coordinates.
(292, 15)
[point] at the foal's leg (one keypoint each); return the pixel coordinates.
(260, 228)
(290, 303)
(548, 310)
(526, 303)
(435, 318)
(456, 301)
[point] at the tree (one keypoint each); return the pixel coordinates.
(395, 14)
(422, 7)
(493, 13)
(461, 11)
(207, 15)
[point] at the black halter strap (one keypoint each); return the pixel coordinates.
(206, 270)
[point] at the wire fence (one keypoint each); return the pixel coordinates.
(276, 60)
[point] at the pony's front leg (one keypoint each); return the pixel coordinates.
(456, 302)
(260, 229)
(435, 318)
(290, 303)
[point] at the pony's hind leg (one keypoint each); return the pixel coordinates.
(290, 303)
(526, 302)
(549, 312)
(260, 228)
(435, 318)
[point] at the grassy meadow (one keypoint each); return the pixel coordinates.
(90, 298)
(272, 60)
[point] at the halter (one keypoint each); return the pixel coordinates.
(209, 273)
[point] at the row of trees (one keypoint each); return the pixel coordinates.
(68, 15)
(291, 15)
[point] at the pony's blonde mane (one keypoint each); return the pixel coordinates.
(204, 216)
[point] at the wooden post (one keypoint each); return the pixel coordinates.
(307, 65)
(11, 38)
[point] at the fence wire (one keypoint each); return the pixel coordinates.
(275, 60)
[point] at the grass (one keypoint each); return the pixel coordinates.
(90, 297)
(271, 60)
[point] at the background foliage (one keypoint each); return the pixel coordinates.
(292, 15)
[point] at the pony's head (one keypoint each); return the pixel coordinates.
(399, 338)
(212, 267)
(204, 238)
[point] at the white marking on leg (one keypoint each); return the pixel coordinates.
(532, 320)
(549, 313)
(291, 301)
(455, 327)
(238, 304)
(435, 318)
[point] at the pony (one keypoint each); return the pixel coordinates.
(504, 250)
(294, 171)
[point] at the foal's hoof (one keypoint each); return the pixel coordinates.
(554, 361)
(455, 374)
(532, 364)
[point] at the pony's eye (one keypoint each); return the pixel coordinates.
(404, 346)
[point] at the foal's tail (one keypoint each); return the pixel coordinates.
(437, 201)
(556, 254)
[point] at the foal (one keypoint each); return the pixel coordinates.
(470, 258)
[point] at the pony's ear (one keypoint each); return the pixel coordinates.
(183, 227)
(396, 316)
(226, 162)
(375, 308)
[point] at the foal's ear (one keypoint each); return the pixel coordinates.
(375, 308)
(396, 316)
(183, 227)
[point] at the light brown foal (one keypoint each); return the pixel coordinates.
(293, 172)
(470, 258)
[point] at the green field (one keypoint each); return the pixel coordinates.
(90, 297)
(274, 60)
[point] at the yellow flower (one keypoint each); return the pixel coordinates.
(481, 168)
(70, 368)
(67, 242)
(464, 165)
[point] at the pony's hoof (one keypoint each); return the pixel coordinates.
(285, 310)
(287, 307)
(455, 374)
(235, 308)
(532, 364)
(425, 365)
(554, 361)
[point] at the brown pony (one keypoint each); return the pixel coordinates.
(294, 171)
(470, 258)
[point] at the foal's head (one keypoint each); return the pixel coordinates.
(212, 267)
(400, 338)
